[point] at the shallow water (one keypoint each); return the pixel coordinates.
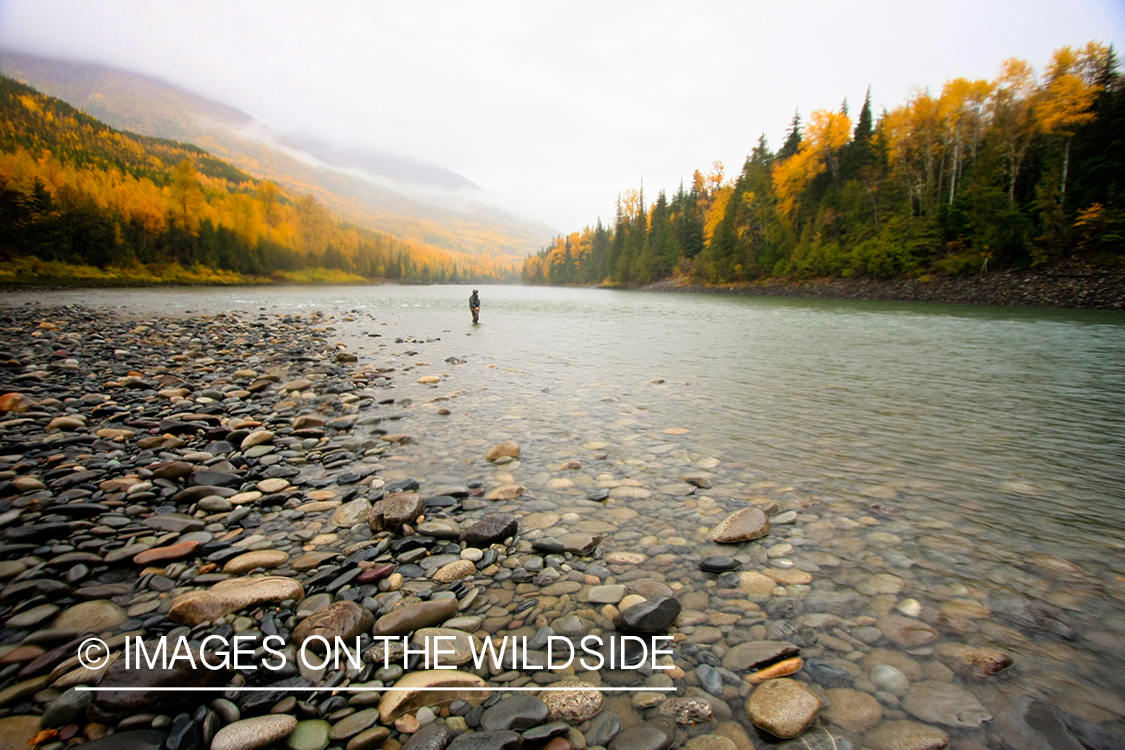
(986, 444)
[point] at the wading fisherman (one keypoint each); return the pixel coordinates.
(474, 306)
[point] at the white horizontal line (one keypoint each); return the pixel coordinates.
(361, 689)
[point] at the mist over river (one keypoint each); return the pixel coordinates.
(939, 453)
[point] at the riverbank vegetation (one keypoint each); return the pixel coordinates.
(1017, 172)
(81, 202)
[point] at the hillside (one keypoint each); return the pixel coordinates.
(1020, 172)
(413, 201)
(105, 204)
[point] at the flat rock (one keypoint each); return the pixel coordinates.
(351, 513)
(230, 596)
(505, 492)
(905, 735)
(906, 632)
(94, 616)
(757, 654)
(265, 558)
(406, 620)
(518, 712)
(411, 691)
(580, 544)
(945, 703)
(170, 553)
(255, 733)
(782, 707)
(658, 734)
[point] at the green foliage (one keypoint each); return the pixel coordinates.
(980, 178)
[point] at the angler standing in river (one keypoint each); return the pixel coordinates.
(474, 306)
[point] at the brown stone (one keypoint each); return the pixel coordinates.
(406, 620)
(412, 692)
(506, 449)
(16, 402)
(741, 526)
(395, 510)
(782, 707)
(343, 619)
(505, 492)
(263, 558)
(170, 553)
(232, 595)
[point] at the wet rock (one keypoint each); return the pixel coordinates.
(652, 616)
(229, 596)
(580, 544)
(435, 736)
(311, 734)
(491, 529)
(342, 619)
(906, 632)
(945, 703)
(255, 733)
(782, 707)
(266, 558)
(978, 662)
(506, 449)
(501, 740)
(411, 692)
(95, 616)
(719, 564)
(110, 704)
(906, 735)
(658, 734)
(741, 526)
(406, 620)
(573, 706)
(518, 713)
(757, 654)
(853, 710)
(394, 511)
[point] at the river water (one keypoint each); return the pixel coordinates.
(984, 446)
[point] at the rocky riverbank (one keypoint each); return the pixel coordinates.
(246, 474)
(1071, 285)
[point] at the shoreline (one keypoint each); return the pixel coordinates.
(267, 450)
(1069, 286)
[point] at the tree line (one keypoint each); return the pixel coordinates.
(1015, 172)
(74, 190)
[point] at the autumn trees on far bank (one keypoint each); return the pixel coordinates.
(1012, 172)
(75, 191)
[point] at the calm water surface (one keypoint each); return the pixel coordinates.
(994, 437)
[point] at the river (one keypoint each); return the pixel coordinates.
(987, 444)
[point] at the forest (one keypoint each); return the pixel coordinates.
(80, 200)
(1022, 171)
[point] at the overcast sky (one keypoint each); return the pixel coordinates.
(555, 107)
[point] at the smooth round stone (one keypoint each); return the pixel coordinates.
(243, 498)
(265, 558)
(311, 734)
(32, 617)
(215, 504)
(905, 735)
(719, 564)
(93, 616)
(253, 734)
(782, 707)
(651, 616)
(455, 570)
(352, 725)
(272, 485)
(945, 703)
(369, 739)
(853, 710)
(885, 677)
(171, 553)
(658, 734)
(606, 594)
(518, 712)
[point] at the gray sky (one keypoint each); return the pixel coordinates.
(554, 107)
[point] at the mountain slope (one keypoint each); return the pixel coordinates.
(419, 202)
